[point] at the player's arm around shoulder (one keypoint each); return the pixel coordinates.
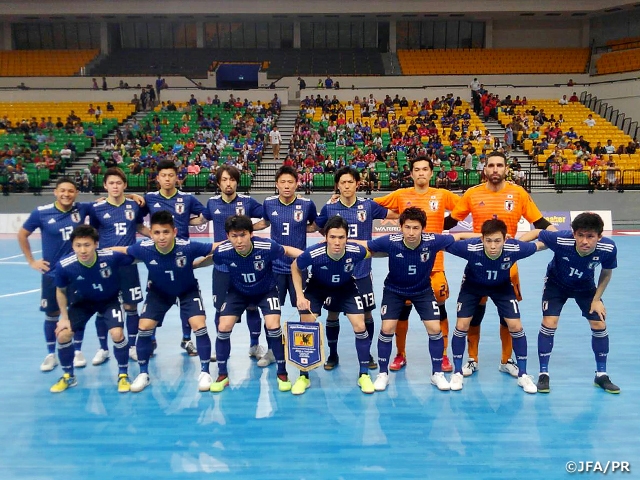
(465, 236)
(292, 252)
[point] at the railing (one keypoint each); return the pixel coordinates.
(617, 118)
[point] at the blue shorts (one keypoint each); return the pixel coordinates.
(365, 288)
(81, 312)
(130, 289)
(220, 285)
(157, 304)
(425, 304)
(344, 299)
(236, 303)
(285, 284)
(502, 295)
(48, 302)
(554, 296)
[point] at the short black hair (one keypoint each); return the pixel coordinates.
(336, 222)
(413, 213)
(85, 231)
(346, 171)
(494, 225)
(167, 165)
(421, 158)
(163, 217)
(62, 180)
(286, 170)
(238, 223)
(114, 172)
(589, 221)
(233, 172)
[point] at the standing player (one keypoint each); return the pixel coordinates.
(169, 261)
(252, 282)
(290, 219)
(489, 260)
(434, 201)
(183, 206)
(117, 220)
(88, 283)
(571, 274)
(359, 214)
(331, 285)
(508, 202)
(219, 208)
(56, 222)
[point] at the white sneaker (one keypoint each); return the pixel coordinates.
(133, 354)
(510, 367)
(204, 382)
(382, 380)
(526, 382)
(267, 359)
(439, 380)
(470, 367)
(457, 380)
(50, 362)
(140, 383)
(100, 357)
(257, 352)
(78, 360)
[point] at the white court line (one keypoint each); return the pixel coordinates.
(16, 256)
(14, 263)
(19, 293)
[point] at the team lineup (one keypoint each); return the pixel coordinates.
(88, 268)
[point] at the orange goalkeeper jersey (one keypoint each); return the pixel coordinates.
(435, 202)
(509, 205)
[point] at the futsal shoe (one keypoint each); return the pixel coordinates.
(604, 382)
(78, 360)
(141, 382)
(543, 383)
(284, 385)
(457, 381)
(123, 383)
(65, 381)
(510, 367)
(257, 351)
(365, 383)
(526, 382)
(189, 347)
(373, 365)
(440, 381)
(220, 384)
(133, 354)
(382, 381)
(470, 367)
(301, 385)
(446, 364)
(99, 358)
(204, 382)
(50, 362)
(267, 359)
(398, 363)
(332, 362)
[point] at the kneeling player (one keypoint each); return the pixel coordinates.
(92, 276)
(331, 284)
(489, 260)
(252, 282)
(571, 274)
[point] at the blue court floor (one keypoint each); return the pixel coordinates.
(491, 429)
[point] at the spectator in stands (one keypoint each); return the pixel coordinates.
(452, 177)
(574, 98)
(160, 85)
(630, 148)
(92, 135)
(301, 83)
(563, 101)
(104, 83)
(612, 174)
(577, 166)
(94, 85)
(66, 155)
(589, 122)
(305, 181)
(565, 166)
(20, 179)
(609, 148)
(320, 83)
(22, 86)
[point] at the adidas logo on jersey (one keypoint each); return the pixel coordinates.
(323, 268)
(106, 215)
(233, 264)
(153, 262)
(565, 258)
(51, 220)
(399, 255)
(275, 214)
(156, 205)
(478, 264)
(80, 277)
(217, 211)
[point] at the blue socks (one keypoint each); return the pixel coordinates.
(333, 332)
(50, 332)
(520, 349)
(436, 347)
(186, 329)
(121, 353)
(254, 322)
(65, 355)
(144, 349)
(78, 337)
(203, 344)
(102, 331)
(385, 344)
(223, 348)
(457, 348)
(600, 346)
(132, 326)
(274, 340)
(545, 346)
(362, 349)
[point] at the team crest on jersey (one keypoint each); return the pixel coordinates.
(348, 268)
(129, 215)
(258, 265)
(508, 205)
(181, 261)
(433, 205)
(75, 216)
(297, 215)
(239, 209)
(179, 208)
(105, 272)
(361, 215)
(424, 256)
(505, 266)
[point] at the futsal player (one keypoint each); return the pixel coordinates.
(117, 220)
(290, 218)
(571, 274)
(359, 214)
(331, 285)
(508, 202)
(169, 261)
(435, 202)
(88, 283)
(56, 222)
(489, 260)
(252, 281)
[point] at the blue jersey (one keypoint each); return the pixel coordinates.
(116, 224)
(181, 205)
(96, 282)
(327, 271)
(170, 273)
(56, 227)
(360, 217)
(250, 274)
(410, 268)
(483, 270)
(570, 269)
(289, 226)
